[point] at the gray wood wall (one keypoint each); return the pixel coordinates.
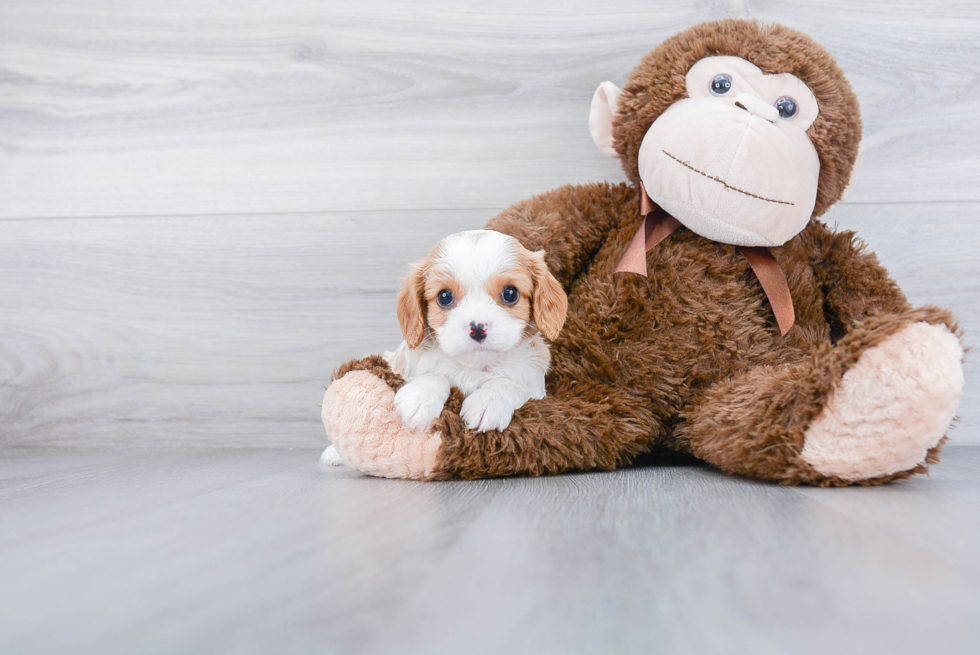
(207, 205)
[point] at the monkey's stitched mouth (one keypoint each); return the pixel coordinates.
(723, 182)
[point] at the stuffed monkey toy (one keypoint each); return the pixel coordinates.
(710, 311)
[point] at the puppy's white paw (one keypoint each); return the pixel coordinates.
(485, 410)
(419, 404)
(331, 457)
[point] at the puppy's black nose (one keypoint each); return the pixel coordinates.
(477, 332)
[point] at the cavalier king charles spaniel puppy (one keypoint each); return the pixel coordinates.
(475, 314)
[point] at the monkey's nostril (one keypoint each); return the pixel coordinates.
(741, 106)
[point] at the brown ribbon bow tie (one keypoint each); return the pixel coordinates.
(658, 225)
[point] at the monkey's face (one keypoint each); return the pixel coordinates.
(733, 161)
(741, 131)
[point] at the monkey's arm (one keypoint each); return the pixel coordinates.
(855, 285)
(567, 431)
(571, 223)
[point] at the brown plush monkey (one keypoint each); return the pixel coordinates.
(726, 321)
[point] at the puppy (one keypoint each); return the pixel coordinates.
(475, 314)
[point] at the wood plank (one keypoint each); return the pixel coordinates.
(93, 487)
(220, 551)
(697, 562)
(152, 108)
(221, 331)
(259, 550)
(195, 330)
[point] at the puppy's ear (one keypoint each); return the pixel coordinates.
(549, 304)
(411, 305)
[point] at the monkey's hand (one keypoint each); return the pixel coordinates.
(367, 433)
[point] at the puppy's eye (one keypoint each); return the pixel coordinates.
(510, 295)
(786, 107)
(445, 298)
(721, 85)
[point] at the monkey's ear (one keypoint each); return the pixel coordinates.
(601, 114)
(854, 173)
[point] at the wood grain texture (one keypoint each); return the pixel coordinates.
(208, 204)
(218, 330)
(257, 551)
(221, 330)
(146, 108)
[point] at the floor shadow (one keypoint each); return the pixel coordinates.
(661, 456)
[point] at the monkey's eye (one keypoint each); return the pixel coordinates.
(721, 85)
(786, 107)
(510, 295)
(445, 298)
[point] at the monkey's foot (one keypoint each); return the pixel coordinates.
(360, 418)
(891, 407)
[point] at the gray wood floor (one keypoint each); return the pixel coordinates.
(260, 551)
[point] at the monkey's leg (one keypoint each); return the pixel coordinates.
(559, 433)
(872, 408)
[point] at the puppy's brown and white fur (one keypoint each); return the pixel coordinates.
(473, 314)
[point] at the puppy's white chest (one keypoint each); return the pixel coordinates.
(469, 380)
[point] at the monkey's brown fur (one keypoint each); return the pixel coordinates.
(690, 356)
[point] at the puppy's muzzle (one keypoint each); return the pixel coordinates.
(478, 331)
